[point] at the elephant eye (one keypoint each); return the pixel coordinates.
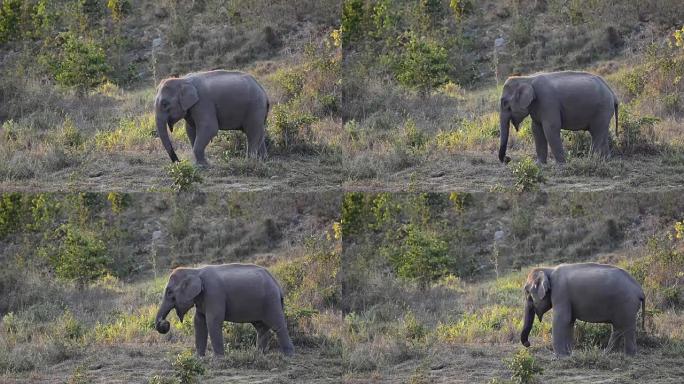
(165, 103)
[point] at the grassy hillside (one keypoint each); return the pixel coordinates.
(381, 287)
(367, 95)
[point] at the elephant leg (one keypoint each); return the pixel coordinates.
(215, 325)
(200, 322)
(562, 332)
(279, 326)
(191, 131)
(540, 143)
(600, 139)
(630, 340)
(263, 335)
(205, 134)
(615, 339)
(552, 132)
(256, 146)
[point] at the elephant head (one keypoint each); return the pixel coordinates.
(174, 97)
(183, 287)
(516, 98)
(538, 294)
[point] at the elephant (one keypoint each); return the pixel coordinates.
(591, 292)
(239, 293)
(558, 100)
(209, 101)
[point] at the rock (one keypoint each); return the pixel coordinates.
(437, 174)
(156, 235)
(158, 42)
(96, 174)
(498, 235)
(499, 42)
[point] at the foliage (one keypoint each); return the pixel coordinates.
(661, 270)
(81, 256)
(523, 366)
(422, 256)
(10, 213)
(528, 175)
(289, 127)
(461, 8)
(591, 335)
(187, 368)
(77, 62)
(10, 12)
(423, 64)
(352, 18)
(119, 9)
(184, 175)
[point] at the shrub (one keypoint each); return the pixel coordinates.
(187, 368)
(11, 213)
(528, 175)
(81, 255)
(78, 62)
(184, 175)
(351, 27)
(461, 8)
(289, 127)
(423, 65)
(422, 257)
(10, 14)
(523, 367)
(119, 9)
(637, 133)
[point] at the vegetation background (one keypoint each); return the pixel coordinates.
(410, 287)
(367, 94)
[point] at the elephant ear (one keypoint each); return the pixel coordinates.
(524, 96)
(541, 286)
(190, 288)
(188, 96)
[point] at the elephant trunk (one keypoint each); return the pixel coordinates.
(527, 326)
(160, 323)
(504, 128)
(164, 136)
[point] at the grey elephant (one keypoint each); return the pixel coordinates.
(240, 293)
(596, 293)
(574, 101)
(209, 101)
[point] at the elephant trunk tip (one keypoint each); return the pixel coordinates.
(525, 343)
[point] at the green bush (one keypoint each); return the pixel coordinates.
(523, 367)
(422, 257)
(11, 213)
(119, 9)
(288, 127)
(184, 175)
(187, 368)
(637, 132)
(423, 64)
(461, 8)
(10, 14)
(351, 27)
(78, 62)
(528, 175)
(81, 256)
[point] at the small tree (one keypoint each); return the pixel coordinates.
(10, 17)
(424, 65)
(79, 63)
(352, 21)
(423, 256)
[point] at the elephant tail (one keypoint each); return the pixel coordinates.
(643, 313)
(617, 108)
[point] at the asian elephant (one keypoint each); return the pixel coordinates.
(558, 100)
(209, 101)
(240, 293)
(596, 293)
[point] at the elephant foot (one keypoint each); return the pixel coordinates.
(202, 166)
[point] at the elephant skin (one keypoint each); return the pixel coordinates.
(209, 101)
(595, 293)
(239, 293)
(574, 101)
